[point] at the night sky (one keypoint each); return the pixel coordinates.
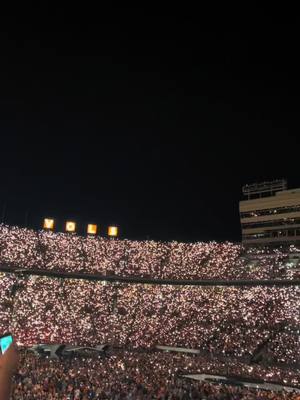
(151, 119)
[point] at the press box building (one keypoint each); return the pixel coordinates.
(270, 215)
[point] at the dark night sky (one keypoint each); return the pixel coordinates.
(149, 118)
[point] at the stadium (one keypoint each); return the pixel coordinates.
(103, 318)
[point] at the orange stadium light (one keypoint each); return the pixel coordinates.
(112, 231)
(48, 223)
(92, 229)
(70, 226)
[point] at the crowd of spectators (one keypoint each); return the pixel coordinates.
(62, 252)
(238, 330)
(243, 322)
(136, 375)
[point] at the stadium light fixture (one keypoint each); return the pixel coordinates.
(48, 223)
(70, 226)
(112, 231)
(92, 229)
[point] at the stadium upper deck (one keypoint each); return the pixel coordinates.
(68, 253)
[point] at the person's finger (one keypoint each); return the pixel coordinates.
(10, 359)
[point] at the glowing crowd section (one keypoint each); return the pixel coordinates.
(61, 252)
(247, 331)
(228, 321)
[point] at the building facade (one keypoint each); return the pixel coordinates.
(270, 215)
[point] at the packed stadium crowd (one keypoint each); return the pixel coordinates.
(236, 321)
(62, 252)
(247, 331)
(133, 375)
